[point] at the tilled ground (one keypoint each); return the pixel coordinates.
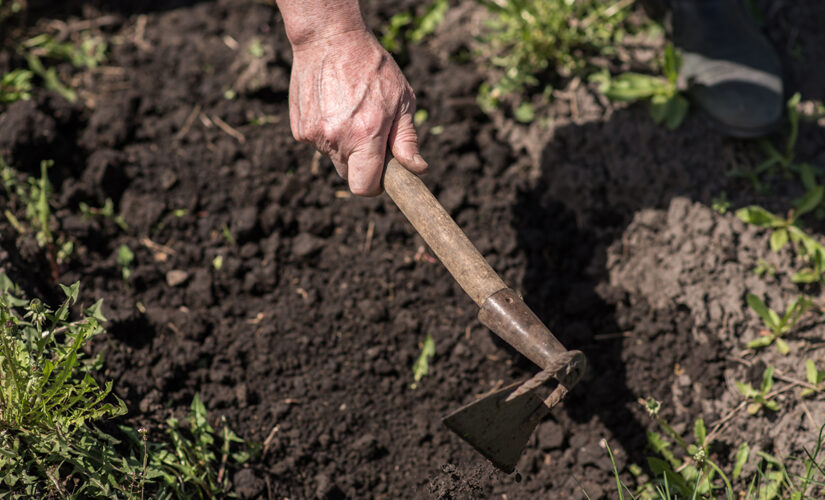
(305, 337)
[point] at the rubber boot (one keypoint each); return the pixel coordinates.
(731, 71)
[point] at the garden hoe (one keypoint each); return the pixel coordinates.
(498, 424)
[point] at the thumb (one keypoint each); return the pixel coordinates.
(365, 167)
(404, 144)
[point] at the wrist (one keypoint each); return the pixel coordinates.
(309, 22)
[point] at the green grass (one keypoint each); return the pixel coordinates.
(682, 469)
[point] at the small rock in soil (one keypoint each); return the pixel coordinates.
(241, 394)
(168, 179)
(176, 277)
(372, 311)
(249, 250)
(326, 489)
(368, 447)
(141, 211)
(104, 171)
(199, 292)
(594, 490)
(305, 245)
(243, 222)
(550, 435)
(248, 485)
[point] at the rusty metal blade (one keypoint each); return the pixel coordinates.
(498, 428)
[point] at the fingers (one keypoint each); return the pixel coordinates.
(403, 143)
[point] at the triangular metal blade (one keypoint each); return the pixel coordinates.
(497, 428)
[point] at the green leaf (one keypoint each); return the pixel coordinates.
(94, 311)
(670, 111)
(807, 392)
(672, 63)
(810, 201)
(811, 373)
(525, 113)
(758, 216)
(421, 366)
(125, 256)
(429, 21)
(768, 315)
(634, 86)
(700, 432)
(753, 408)
(806, 173)
(71, 291)
(661, 468)
(782, 347)
(805, 275)
(742, 455)
(746, 389)
(767, 380)
(771, 405)
(779, 239)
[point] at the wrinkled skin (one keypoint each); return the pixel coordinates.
(348, 97)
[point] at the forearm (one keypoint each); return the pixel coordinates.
(310, 20)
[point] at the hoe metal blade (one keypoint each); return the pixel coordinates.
(498, 428)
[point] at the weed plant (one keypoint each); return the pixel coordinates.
(785, 229)
(777, 326)
(15, 86)
(530, 43)
(51, 408)
(686, 471)
(667, 105)
(406, 27)
(34, 198)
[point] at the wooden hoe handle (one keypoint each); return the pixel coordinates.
(502, 310)
(442, 234)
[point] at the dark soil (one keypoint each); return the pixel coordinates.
(305, 337)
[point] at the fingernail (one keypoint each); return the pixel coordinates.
(419, 160)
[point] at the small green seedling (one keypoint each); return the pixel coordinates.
(391, 32)
(420, 116)
(422, 364)
(667, 106)
(414, 29)
(814, 377)
(777, 326)
(125, 258)
(786, 230)
(35, 196)
(107, 211)
(692, 475)
(761, 398)
(764, 268)
(227, 235)
(89, 53)
(16, 85)
(721, 204)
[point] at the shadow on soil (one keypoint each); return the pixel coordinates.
(594, 178)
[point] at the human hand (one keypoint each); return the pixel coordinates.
(348, 97)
